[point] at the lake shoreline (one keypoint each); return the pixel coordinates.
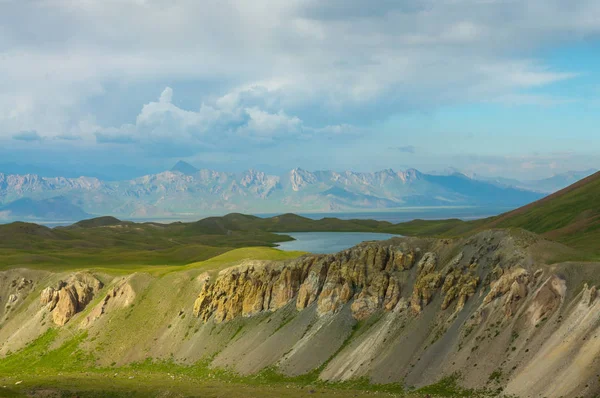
(329, 242)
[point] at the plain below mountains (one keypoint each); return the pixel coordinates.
(186, 192)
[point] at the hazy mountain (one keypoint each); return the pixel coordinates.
(113, 172)
(185, 168)
(546, 185)
(186, 191)
(558, 181)
(58, 208)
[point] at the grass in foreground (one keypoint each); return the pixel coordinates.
(40, 370)
(129, 384)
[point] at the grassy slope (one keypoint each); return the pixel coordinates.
(35, 368)
(570, 216)
(93, 244)
(212, 264)
(109, 242)
(45, 367)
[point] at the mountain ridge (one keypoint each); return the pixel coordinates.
(188, 191)
(547, 185)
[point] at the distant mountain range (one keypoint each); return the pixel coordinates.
(185, 191)
(57, 208)
(546, 185)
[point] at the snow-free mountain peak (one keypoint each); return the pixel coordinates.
(185, 168)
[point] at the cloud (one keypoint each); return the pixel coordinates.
(397, 55)
(166, 96)
(321, 76)
(115, 138)
(28, 136)
(238, 120)
(67, 137)
(405, 149)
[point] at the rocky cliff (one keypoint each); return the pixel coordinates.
(368, 276)
(485, 310)
(371, 277)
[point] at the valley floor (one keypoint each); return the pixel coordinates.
(146, 384)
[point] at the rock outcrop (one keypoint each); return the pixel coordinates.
(428, 281)
(512, 285)
(368, 275)
(370, 278)
(69, 297)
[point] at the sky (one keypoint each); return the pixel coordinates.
(119, 88)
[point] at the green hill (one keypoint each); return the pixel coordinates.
(570, 216)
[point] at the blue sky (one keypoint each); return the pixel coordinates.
(125, 87)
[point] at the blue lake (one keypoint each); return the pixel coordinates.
(328, 242)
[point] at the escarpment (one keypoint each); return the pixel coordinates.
(369, 276)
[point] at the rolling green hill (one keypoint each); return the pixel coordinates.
(570, 216)
(106, 241)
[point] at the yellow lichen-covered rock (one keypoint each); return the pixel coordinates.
(247, 291)
(511, 287)
(459, 285)
(372, 297)
(514, 281)
(392, 294)
(365, 277)
(424, 290)
(284, 289)
(404, 260)
(334, 295)
(311, 286)
(365, 305)
(427, 282)
(202, 302)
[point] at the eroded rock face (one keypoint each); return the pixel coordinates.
(549, 297)
(366, 275)
(512, 285)
(368, 278)
(67, 298)
(428, 280)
